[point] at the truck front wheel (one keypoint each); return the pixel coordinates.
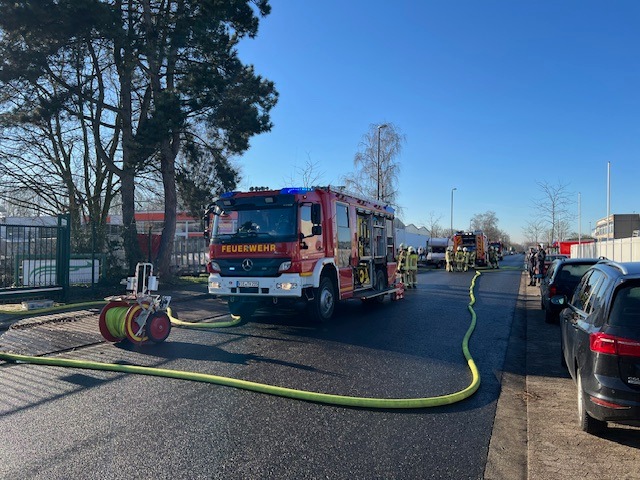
(324, 301)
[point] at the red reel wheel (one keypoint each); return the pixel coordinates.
(102, 321)
(131, 327)
(158, 327)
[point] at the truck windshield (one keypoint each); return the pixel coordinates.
(255, 225)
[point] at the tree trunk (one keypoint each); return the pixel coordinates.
(170, 204)
(130, 234)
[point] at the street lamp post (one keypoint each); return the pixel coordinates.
(452, 190)
(384, 125)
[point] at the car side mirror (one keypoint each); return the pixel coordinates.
(559, 300)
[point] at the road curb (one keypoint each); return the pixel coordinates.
(507, 456)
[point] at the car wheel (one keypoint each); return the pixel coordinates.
(324, 301)
(587, 422)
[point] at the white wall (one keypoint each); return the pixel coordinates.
(620, 250)
(414, 240)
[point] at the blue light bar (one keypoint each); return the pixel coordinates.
(295, 190)
(228, 194)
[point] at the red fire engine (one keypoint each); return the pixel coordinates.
(305, 246)
(475, 241)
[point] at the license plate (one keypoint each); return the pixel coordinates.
(247, 284)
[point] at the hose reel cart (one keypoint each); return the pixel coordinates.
(138, 315)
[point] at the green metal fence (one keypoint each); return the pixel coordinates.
(34, 260)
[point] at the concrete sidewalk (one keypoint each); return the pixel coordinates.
(536, 434)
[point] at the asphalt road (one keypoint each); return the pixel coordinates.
(67, 423)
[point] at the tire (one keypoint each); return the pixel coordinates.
(158, 327)
(322, 306)
(587, 422)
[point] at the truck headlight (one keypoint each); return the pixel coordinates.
(284, 266)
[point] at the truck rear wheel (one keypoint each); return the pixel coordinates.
(324, 301)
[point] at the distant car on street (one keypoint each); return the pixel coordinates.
(561, 278)
(600, 341)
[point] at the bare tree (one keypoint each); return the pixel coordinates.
(488, 223)
(48, 163)
(307, 175)
(433, 225)
(534, 231)
(563, 229)
(377, 170)
(553, 208)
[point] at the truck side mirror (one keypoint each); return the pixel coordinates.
(316, 215)
(316, 230)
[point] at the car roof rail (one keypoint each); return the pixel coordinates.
(613, 264)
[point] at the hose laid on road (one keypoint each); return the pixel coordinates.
(367, 402)
(235, 320)
(55, 308)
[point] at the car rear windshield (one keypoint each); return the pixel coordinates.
(572, 273)
(625, 311)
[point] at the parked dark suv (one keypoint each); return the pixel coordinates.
(561, 278)
(601, 344)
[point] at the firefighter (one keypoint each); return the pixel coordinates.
(496, 257)
(492, 257)
(402, 263)
(531, 266)
(465, 267)
(448, 256)
(472, 258)
(540, 266)
(459, 259)
(412, 268)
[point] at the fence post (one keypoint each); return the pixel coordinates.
(63, 254)
(93, 255)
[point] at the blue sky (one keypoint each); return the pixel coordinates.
(492, 96)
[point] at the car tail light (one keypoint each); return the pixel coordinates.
(612, 345)
(552, 291)
(605, 403)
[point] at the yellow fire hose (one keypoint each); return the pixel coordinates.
(367, 402)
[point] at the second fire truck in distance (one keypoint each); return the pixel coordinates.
(300, 246)
(475, 241)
